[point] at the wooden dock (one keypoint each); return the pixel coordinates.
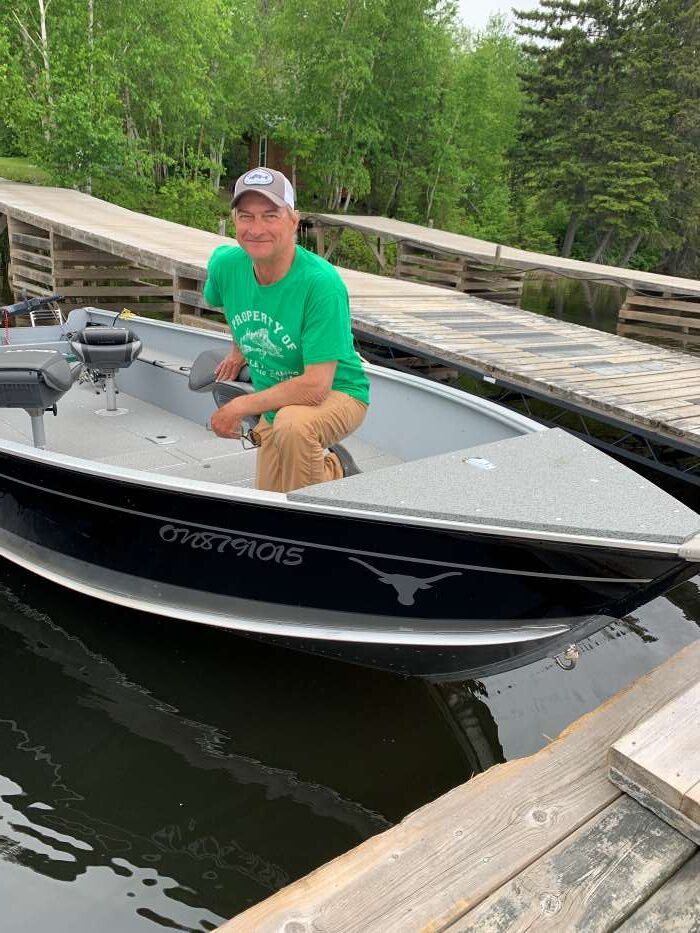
(98, 253)
(417, 243)
(541, 843)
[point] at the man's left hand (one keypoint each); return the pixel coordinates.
(226, 422)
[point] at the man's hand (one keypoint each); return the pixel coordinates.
(226, 421)
(229, 368)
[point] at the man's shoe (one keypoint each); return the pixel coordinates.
(347, 462)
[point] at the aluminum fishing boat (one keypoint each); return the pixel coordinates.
(474, 539)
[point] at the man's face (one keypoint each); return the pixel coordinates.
(265, 231)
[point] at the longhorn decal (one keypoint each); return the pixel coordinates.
(406, 586)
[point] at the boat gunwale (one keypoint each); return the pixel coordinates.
(267, 499)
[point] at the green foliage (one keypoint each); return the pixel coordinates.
(15, 168)
(580, 132)
(601, 120)
(352, 252)
(190, 202)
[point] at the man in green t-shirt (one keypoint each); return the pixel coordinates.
(289, 314)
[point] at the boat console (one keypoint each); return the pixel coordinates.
(35, 380)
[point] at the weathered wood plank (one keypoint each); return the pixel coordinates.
(670, 814)
(646, 301)
(430, 262)
(32, 289)
(659, 762)
(32, 275)
(26, 239)
(665, 320)
(88, 257)
(675, 908)
(637, 330)
(685, 389)
(591, 881)
(102, 273)
(622, 380)
(36, 259)
(138, 307)
(202, 323)
(444, 859)
(114, 291)
(427, 275)
(188, 296)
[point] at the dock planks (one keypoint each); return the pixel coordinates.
(570, 888)
(635, 386)
(509, 844)
(630, 383)
(658, 763)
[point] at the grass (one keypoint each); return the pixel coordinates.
(16, 168)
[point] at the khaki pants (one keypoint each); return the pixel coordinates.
(292, 449)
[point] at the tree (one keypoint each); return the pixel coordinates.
(591, 126)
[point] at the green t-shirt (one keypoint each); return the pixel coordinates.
(281, 328)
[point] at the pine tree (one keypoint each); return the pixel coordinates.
(593, 135)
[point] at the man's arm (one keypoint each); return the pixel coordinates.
(311, 388)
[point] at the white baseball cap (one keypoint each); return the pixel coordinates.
(275, 186)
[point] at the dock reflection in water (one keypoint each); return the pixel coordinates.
(160, 774)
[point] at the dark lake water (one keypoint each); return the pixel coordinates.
(578, 302)
(161, 774)
(157, 774)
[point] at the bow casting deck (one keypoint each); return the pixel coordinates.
(100, 254)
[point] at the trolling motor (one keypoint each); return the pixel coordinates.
(203, 379)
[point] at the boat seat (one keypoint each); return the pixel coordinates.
(35, 380)
(106, 350)
(203, 379)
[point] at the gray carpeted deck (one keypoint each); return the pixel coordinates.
(549, 481)
(135, 440)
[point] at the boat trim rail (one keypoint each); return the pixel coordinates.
(478, 634)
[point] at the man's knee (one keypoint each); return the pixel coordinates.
(292, 423)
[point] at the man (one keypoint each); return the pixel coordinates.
(289, 314)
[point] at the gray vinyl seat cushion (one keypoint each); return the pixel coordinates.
(546, 480)
(203, 372)
(106, 348)
(34, 379)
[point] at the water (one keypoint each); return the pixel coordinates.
(164, 775)
(591, 304)
(160, 774)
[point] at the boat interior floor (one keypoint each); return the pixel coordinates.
(151, 439)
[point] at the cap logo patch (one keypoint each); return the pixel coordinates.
(258, 177)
